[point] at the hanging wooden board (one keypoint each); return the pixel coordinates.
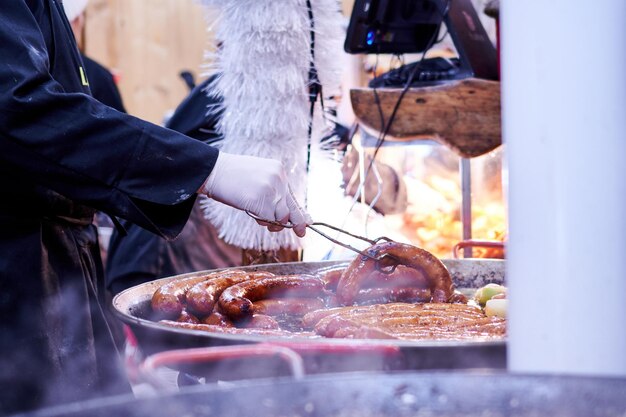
(464, 115)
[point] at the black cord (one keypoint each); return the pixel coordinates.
(385, 127)
(377, 98)
(443, 36)
(315, 88)
(443, 16)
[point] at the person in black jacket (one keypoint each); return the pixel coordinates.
(64, 155)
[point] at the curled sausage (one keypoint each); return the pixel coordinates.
(201, 298)
(340, 327)
(362, 332)
(402, 276)
(237, 301)
(406, 321)
(168, 301)
(359, 270)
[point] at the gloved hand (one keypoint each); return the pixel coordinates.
(258, 185)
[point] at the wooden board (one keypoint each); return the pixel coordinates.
(148, 43)
(464, 115)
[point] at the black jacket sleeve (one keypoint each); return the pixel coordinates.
(83, 149)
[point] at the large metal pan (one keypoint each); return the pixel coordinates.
(407, 394)
(133, 308)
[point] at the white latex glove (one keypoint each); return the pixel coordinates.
(258, 185)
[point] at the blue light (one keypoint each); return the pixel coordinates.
(370, 37)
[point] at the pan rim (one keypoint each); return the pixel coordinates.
(123, 303)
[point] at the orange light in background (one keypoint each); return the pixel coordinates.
(431, 212)
(433, 220)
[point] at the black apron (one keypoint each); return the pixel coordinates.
(56, 345)
(62, 156)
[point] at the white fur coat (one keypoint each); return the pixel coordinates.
(264, 66)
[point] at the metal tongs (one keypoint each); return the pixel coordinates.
(386, 263)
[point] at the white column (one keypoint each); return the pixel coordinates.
(564, 125)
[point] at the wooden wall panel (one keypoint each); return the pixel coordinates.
(346, 6)
(148, 42)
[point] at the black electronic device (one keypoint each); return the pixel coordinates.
(410, 26)
(393, 26)
(429, 71)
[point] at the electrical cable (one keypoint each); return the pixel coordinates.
(379, 193)
(385, 126)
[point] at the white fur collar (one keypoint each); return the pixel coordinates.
(264, 67)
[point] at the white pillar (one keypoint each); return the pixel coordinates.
(564, 125)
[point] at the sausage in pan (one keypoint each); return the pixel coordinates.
(288, 306)
(201, 298)
(218, 319)
(392, 295)
(237, 301)
(168, 301)
(439, 279)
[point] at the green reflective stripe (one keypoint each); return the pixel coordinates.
(83, 78)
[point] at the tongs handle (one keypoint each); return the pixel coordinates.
(345, 245)
(313, 226)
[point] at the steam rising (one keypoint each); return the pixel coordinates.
(49, 354)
